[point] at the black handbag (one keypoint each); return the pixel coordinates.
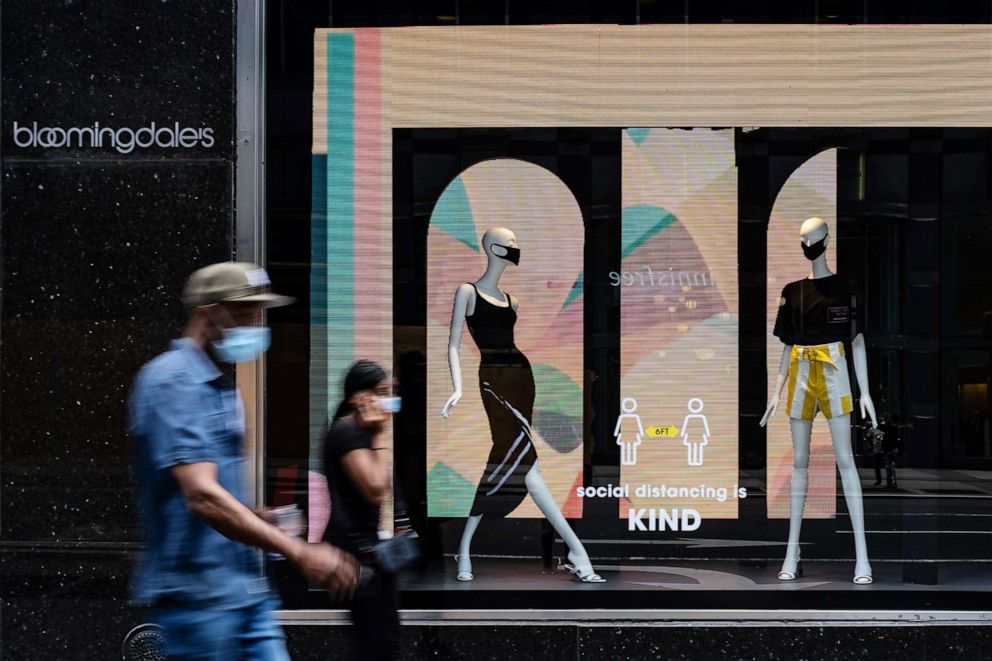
(397, 552)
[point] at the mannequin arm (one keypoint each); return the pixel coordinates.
(861, 372)
(783, 374)
(462, 295)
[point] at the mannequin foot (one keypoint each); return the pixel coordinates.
(581, 567)
(862, 573)
(464, 568)
(792, 568)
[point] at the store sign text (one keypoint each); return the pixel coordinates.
(124, 139)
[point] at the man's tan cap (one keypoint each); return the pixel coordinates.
(232, 282)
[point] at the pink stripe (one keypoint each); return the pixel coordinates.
(373, 233)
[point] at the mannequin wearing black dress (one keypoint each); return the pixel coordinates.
(506, 384)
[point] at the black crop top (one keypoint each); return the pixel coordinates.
(815, 311)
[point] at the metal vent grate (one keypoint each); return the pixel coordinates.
(145, 642)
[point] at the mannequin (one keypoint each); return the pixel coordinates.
(506, 384)
(814, 322)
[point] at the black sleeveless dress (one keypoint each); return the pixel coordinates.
(507, 387)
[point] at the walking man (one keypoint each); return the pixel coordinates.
(199, 571)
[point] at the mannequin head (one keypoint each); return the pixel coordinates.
(498, 244)
(814, 237)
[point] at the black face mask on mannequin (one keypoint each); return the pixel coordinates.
(816, 249)
(512, 254)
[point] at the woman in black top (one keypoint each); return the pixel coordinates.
(357, 479)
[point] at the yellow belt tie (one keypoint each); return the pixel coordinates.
(820, 354)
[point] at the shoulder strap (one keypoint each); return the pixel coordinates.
(477, 294)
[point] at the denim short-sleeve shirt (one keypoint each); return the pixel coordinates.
(183, 410)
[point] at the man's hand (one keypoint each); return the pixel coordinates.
(328, 566)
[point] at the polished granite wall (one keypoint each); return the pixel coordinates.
(717, 642)
(96, 242)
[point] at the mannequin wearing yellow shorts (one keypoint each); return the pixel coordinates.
(815, 323)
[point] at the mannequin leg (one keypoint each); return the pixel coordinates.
(464, 558)
(840, 434)
(801, 433)
(539, 492)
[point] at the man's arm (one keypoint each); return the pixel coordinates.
(208, 500)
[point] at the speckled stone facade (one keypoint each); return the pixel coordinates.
(96, 243)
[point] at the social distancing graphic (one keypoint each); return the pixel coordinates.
(678, 342)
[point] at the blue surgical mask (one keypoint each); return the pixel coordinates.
(242, 344)
(390, 404)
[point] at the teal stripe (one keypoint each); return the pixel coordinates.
(318, 306)
(332, 295)
(340, 253)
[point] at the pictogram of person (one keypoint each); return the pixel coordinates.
(628, 435)
(695, 442)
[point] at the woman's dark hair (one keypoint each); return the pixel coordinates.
(362, 375)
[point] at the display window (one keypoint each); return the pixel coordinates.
(655, 345)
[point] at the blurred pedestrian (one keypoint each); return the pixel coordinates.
(204, 582)
(358, 478)
(891, 448)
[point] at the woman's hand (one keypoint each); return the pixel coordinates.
(368, 412)
(454, 399)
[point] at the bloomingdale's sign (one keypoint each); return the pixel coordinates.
(124, 139)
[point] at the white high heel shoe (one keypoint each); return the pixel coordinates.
(584, 571)
(464, 568)
(862, 574)
(796, 571)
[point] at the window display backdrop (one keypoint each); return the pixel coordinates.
(547, 287)
(679, 412)
(368, 81)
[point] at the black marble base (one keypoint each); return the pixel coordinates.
(641, 641)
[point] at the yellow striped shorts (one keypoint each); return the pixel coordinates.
(818, 381)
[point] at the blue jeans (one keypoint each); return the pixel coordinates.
(214, 633)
